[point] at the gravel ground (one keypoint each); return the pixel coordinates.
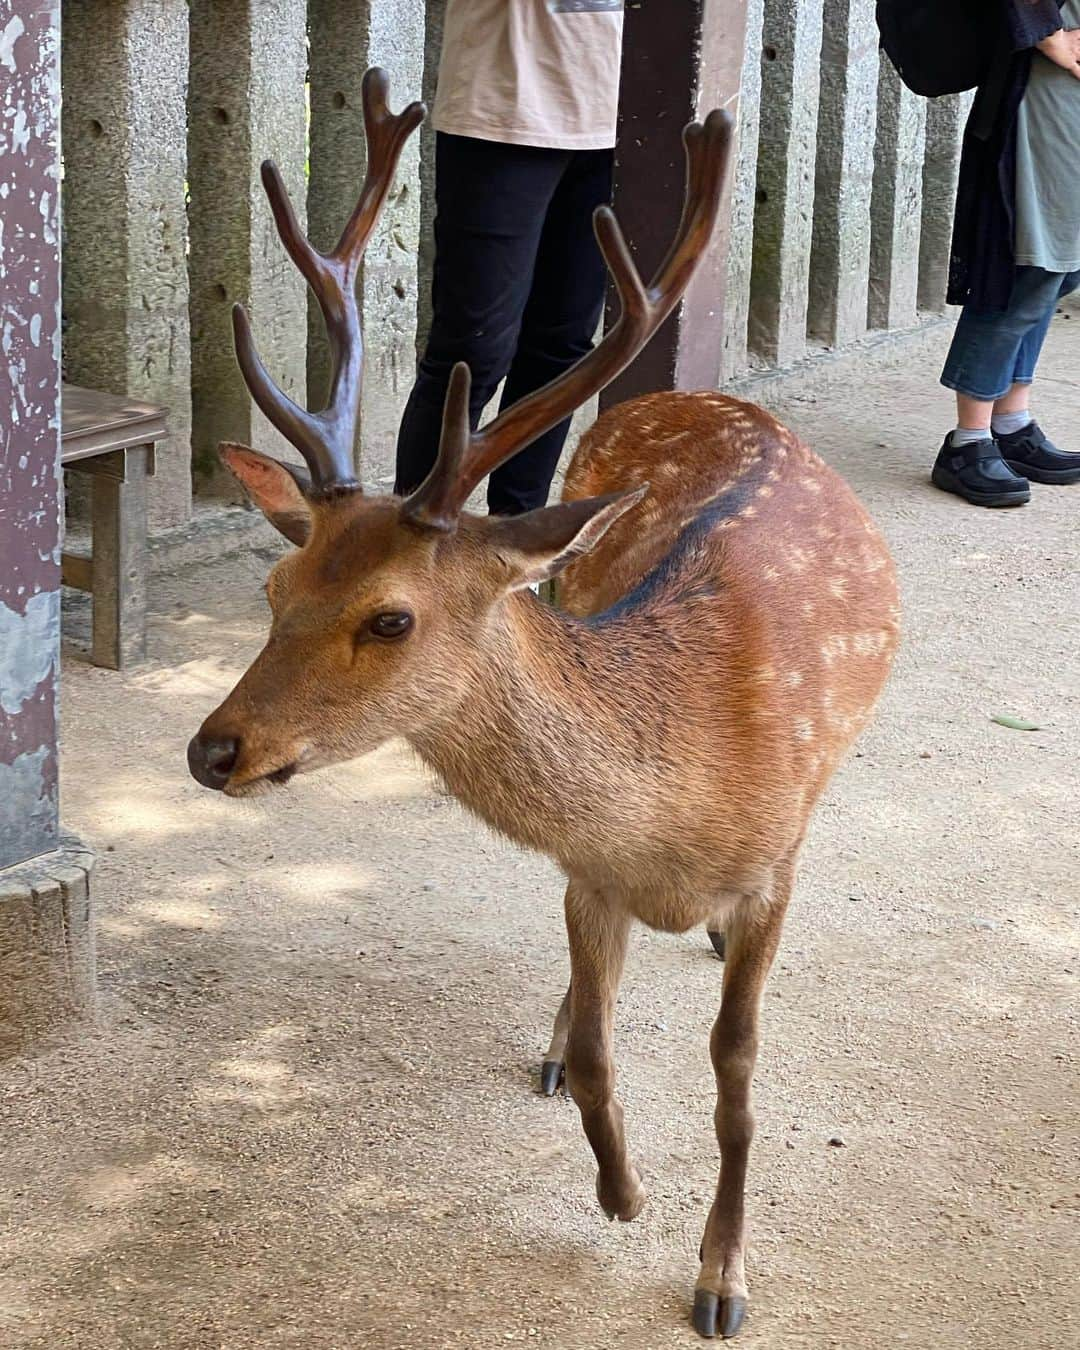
(308, 1117)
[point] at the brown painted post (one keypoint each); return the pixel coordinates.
(29, 428)
(679, 62)
(47, 964)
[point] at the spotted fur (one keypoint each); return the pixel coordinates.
(664, 738)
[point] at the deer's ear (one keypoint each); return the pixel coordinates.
(275, 488)
(539, 544)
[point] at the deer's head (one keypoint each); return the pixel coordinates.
(379, 611)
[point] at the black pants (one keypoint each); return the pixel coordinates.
(517, 292)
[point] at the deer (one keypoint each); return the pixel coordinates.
(727, 616)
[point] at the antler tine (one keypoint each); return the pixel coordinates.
(325, 439)
(465, 459)
(386, 136)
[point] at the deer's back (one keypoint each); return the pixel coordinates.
(763, 592)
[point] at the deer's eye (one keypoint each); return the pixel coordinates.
(391, 624)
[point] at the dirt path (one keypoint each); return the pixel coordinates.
(308, 1117)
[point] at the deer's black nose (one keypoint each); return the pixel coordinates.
(212, 760)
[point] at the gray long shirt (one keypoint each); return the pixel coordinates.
(1048, 164)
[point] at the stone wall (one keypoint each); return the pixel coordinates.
(844, 188)
(838, 223)
(125, 78)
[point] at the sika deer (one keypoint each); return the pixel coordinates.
(725, 634)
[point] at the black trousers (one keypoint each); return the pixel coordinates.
(517, 292)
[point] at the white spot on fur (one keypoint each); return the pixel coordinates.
(834, 647)
(804, 729)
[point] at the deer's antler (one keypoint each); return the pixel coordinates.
(325, 439)
(466, 457)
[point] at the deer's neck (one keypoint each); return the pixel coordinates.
(547, 744)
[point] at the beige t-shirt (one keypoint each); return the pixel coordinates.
(531, 72)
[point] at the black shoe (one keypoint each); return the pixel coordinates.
(1029, 452)
(977, 473)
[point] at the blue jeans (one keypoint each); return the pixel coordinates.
(991, 352)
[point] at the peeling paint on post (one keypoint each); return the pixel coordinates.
(29, 427)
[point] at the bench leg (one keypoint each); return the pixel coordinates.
(119, 561)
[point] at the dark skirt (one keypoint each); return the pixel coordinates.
(982, 262)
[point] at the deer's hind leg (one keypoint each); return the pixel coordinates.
(554, 1065)
(598, 931)
(753, 935)
(715, 930)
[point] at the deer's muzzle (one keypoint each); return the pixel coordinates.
(212, 760)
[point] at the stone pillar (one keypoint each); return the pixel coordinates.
(743, 192)
(945, 121)
(783, 223)
(840, 259)
(125, 218)
(679, 62)
(246, 103)
(41, 977)
(896, 206)
(348, 36)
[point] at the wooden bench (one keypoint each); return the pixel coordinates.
(112, 439)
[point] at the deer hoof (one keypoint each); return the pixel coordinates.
(717, 939)
(552, 1073)
(623, 1201)
(716, 1314)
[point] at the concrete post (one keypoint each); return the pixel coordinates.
(744, 187)
(945, 121)
(348, 36)
(840, 259)
(783, 224)
(46, 938)
(896, 205)
(679, 62)
(125, 219)
(246, 103)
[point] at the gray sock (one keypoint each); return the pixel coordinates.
(966, 436)
(1004, 424)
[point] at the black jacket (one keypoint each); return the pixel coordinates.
(982, 263)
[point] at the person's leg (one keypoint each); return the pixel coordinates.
(1011, 412)
(987, 348)
(1023, 444)
(981, 368)
(559, 322)
(491, 201)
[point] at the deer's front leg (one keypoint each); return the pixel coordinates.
(598, 931)
(752, 939)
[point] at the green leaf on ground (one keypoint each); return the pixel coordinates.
(1014, 723)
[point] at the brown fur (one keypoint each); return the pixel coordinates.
(664, 740)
